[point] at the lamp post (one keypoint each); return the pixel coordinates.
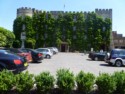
(23, 36)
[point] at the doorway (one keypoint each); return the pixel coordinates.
(64, 47)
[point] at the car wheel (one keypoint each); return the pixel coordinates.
(96, 59)
(48, 56)
(118, 63)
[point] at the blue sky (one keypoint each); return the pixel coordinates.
(8, 9)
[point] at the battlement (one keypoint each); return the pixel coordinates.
(23, 11)
(104, 11)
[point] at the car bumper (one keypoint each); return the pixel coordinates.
(20, 69)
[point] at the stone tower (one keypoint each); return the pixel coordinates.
(106, 13)
(24, 11)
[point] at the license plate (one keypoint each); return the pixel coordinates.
(25, 64)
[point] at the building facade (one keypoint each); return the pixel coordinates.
(104, 13)
(118, 40)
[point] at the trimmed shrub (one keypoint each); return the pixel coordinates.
(65, 80)
(24, 82)
(44, 82)
(106, 84)
(120, 82)
(7, 81)
(85, 81)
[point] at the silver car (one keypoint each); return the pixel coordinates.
(46, 52)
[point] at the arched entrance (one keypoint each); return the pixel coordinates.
(64, 47)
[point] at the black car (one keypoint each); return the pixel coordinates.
(12, 62)
(36, 56)
(97, 55)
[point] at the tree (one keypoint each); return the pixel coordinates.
(2, 40)
(7, 37)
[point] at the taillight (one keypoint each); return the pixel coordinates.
(17, 62)
(39, 54)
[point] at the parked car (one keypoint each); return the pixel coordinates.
(116, 57)
(46, 52)
(54, 49)
(36, 56)
(97, 56)
(12, 62)
(21, 53)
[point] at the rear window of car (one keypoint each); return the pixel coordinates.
(42, 50)
(16, 50)
(3, 52)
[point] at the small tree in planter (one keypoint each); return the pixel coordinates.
(7, 81)
(106, 83)
(44, 82)
(24, 83)
(65, 80)
(120, 82)
(85, 81)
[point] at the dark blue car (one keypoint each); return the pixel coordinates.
(12, 62)
(97, 55)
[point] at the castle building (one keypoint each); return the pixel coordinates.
(118, 40)
(104, 13)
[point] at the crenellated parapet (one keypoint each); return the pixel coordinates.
(24, 11)
(105, 13)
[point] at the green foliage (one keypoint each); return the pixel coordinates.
(82, 32)
(30, 43)
(2, 40)
(65, 80)
(17, 27)
(24, 82)
(6, 37)
(7, 81)
(85, 81)
(16, 44)
(44, 82)
(120, 82)
(106, 83)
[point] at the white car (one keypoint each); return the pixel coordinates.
(54, 49)
(46, 52)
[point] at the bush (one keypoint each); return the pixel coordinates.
(106, 84)
(65, 80)
(24, 82)
(44, 82)
(85, 81)
(120, 82)
(7, 81)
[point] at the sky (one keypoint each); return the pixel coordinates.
(8, 9)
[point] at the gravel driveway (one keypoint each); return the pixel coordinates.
(73, 61)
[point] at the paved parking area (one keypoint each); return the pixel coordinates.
(73, 61)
